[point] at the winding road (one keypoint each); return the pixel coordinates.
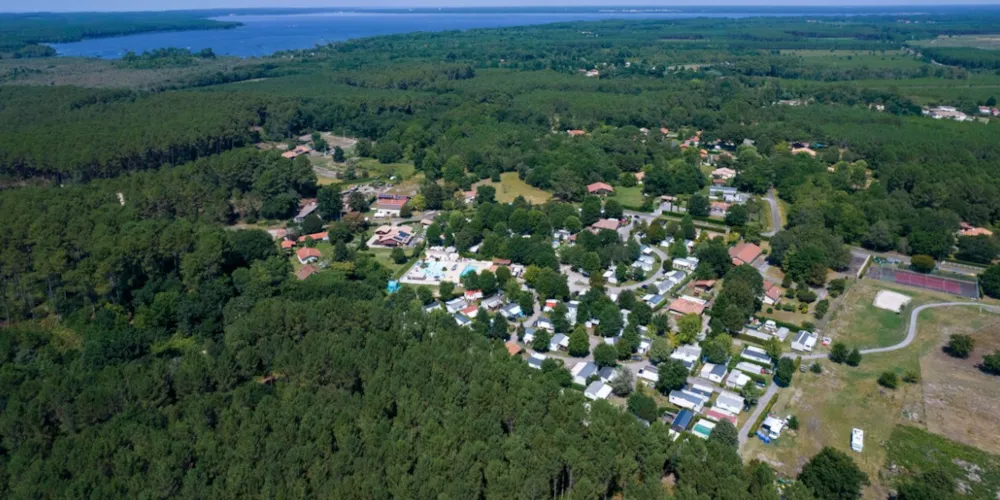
(775, 215)
(911, 333)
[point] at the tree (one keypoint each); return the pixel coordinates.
(688, 328)
(341, 253)
(447, 290)
(543, 340)
(357, 202)
(838, 352)
(499, 328)
(935, 484)
(716, 350)
(990, 281)
(677, 249)
(605, 355)
(485, 194)
(737, 216)
(783, 375)
(659, 350)
(398, 255)
(698, 205)
(923, 263)
(573, 224)
(579, 342)
(687, 229)
(981, 249)
(991, 363)
(622, 382)
(643, 407)
(888, 379)
(338, 154)
(832, 475)
(854, 358)
(773, 347)
(363, 147)
(960, 346)
(672, 376)
(405, 211)
(751, 393)
(590, 211)
(613, 209)
(330, 202)
(725, 433)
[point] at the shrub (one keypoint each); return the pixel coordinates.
(821, 308)
(816, 368)
(991, 363)
(839, 352)
(923, 263)
(960, 346)
(911, 377)
(806, 295)
(854, 358)
(793, 423)
(888, 380)
(783, 375)
(770, 310)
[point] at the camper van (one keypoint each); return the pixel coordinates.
(857, 440)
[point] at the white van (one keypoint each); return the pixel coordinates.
(857, 440)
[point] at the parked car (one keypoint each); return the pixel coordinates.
(636, 357)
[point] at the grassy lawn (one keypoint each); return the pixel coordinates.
(510, 187)
(629, 196)
(857, 58)
(402, 171)
(861, 324)
(830, 404)
(915, 450)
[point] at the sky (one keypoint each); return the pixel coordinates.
(132, 5)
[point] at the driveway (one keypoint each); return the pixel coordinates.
(911, 333)
(775, 215)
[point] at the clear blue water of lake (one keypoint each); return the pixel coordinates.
(262, 35)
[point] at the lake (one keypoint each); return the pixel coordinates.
(262, 35)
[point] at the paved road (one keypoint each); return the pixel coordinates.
(775, 215)
(911, 333)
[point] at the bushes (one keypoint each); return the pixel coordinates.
(991, 363)
(923, 263)
(888, 380)
(783, 375)
(960, 346)
(821, 308)
(839, 352)
(854, 358)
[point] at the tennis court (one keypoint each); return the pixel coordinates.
(893, 275)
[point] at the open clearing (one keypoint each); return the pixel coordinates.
(859, 323)
(630, 197)
(830, 404)
(510, 187)
(913, 450)
(988, 42)
(857, 58)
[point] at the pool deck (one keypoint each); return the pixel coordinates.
(443, 267)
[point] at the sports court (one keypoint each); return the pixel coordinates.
(948, 285)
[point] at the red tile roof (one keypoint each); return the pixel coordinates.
(685, 306)
(286, 244)
(513, 349)
(609, 224)
(306, 272)
(705, 283)
(575, 133)
(305, 253)
(744, 253)
(600, 186)
(501, 262)
(315, 236)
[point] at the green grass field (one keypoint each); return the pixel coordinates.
(629, 196)
(402, 171)
(863, 325)
(988, 42)
(510, 187)
(916, 450)
(857, 58)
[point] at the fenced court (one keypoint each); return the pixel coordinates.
(948, 285)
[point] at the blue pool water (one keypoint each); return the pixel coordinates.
(468, 269)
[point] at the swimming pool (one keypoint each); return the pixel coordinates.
(469, 268)
(434, 270)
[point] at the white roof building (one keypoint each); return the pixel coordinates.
(804, 341)
(597, 390)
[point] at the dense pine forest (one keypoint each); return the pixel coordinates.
(155, 342)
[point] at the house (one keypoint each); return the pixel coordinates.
(687, 305)
(433, 306)
(713, 373)
(719, 208)
(278, 233)
(298, 151)
(597, 390)
(685, 399)
(528, 336)
(608, 224)
(804, 341)
(305, 272)
(644, 344)
(512, 311)
(575, 133)
(322, 236)
(650, 374)
(558, 341)
(455, 305)
(682, 420)
(307, 255)
(703, 428)
(469, 196)
(948, 112)
(607, 374)
(718, 415)
(308, 208)
(471, 295)
(804, 150)
(689, 355)
(749, 368)
(550, 305)
(729, 402)
(287, 244)
(745, 253)
(772, 294)
(685, 264)
(757, 334)
(639, 177)
(704, 285)
(389, 207)
(600, 188)
(772, 427)
(701, 390)
(592, 73)
(756, 354)
(724, 173)
(722, 192)
(645, 262)
(654, 300)
(975, 231)
(492, 303)
(582, 371)
(737, 379)
(545, 324)
(393, 236)
(535, 361)
(471, 311)
(462, 320)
